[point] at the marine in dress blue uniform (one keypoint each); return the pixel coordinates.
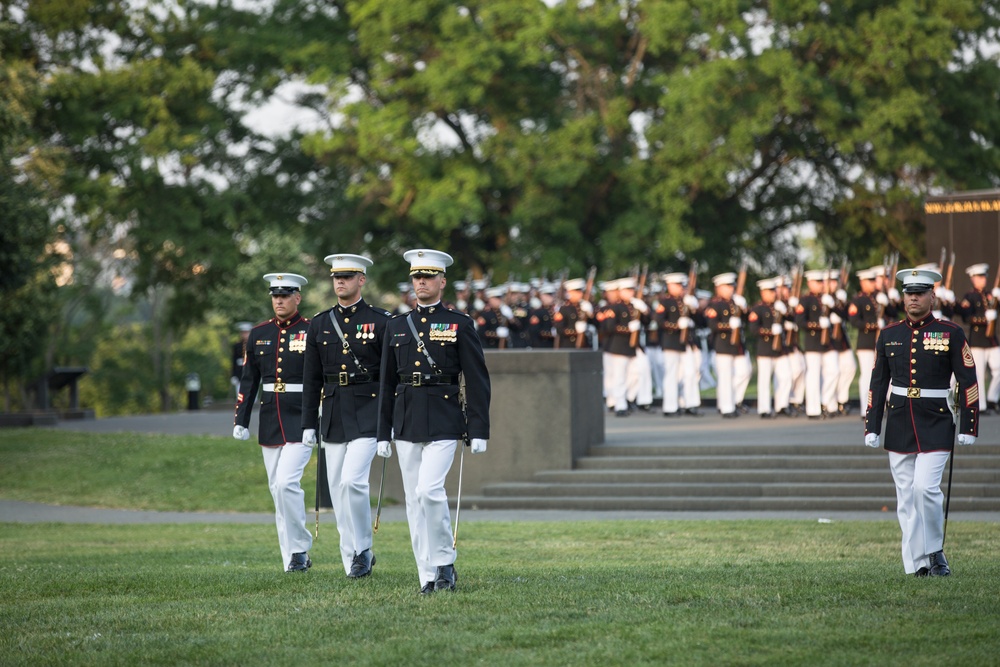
(420, 407)
(726, 314)
(342, 360)
(273, 365)
(978, 309)
(914, 363)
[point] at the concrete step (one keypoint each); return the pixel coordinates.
(972, 476)
(883, 502)
(712, 450)
(740, 462)
(740, 490)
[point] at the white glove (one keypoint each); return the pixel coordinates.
(835, 318)
(841, 295)
(634, 325)
(776, 329)
(780, 307)
(478, 305)
(383, 448)
(950, 296)
(507, 312)
(790, 326)
(535, 303)
(587, 307)
(735, 322)
(309, 437)
(502, 332)
(996, 292)
(580, 326)
(828, 300)
(937, 314)
(477, 446)
(640, 305)
(871, 439)
(740, 301)
(893, 294)
(684, 323)
(241, 433)
(824, 322)
(691, 301)
(965, 439)
(991, 315)
(793, 302)
(881, 299)
(940, 293)
(235, 381)
(881, 323)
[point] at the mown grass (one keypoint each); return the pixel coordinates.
(558, 593)
(572, 593)
(137, 471)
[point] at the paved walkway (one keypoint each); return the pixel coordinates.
(640, 428)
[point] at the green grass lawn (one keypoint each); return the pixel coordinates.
(557, 593)
(573, 593)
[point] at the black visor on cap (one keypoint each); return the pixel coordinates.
(346, 274)
(283, 290)
(912, 288)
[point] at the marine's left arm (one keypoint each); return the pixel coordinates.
(477, 381)
(963, 366)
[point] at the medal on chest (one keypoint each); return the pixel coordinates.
(366, 331)
(446, 333)
(937, 341)
(298, 342)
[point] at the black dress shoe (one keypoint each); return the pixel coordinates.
(844, 409)
(939, 565)
(362, 564)
(693, 412)
(621, 413)
(922, 572)
(743, 408)
(767, 415)
(788, 412)
(300, 562)
(446, 578)
(675, 413)
(730, 415)
(428, 588)
(814, 417)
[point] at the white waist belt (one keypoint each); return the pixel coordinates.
(281, 387)
(917, 392)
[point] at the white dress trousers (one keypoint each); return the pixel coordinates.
(672, 377)
(846, 369)
(284, 466)
(691, 377)
(919, 505)
(733, 374)
(347, 467)
(638, 379)
(424, 466)
(866, 363)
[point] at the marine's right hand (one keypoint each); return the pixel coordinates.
(384, 448)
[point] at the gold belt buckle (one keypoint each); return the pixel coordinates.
(342, 378)
(418, 379)
(279, 387)
(913, 392)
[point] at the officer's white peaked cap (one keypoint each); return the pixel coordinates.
(427, 262)
(626, 283)
(285, 283)
(816, 274)
(724, 279)
(978, 269)
(676, 278)
(918, 280)
(866, 274)
(497, 291)
(576, 284)
(345, 266)
(767, 283)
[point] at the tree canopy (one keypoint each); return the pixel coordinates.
(524, 137)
